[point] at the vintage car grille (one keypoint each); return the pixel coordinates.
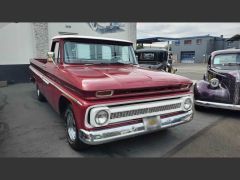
(145, 111)
(129, 111)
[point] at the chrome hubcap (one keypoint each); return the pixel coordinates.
(71, 127)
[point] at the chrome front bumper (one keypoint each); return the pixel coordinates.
(217, 105)
(113, 134)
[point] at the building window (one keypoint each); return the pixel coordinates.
(199, 41)
(188, 41)
(177, 43)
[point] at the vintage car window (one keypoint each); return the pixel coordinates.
(77, 52)
(148, 56)
(226, 59)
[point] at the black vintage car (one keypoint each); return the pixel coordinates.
(221, 83)
(155, 58)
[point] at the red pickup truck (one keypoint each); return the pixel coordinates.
(102, 93)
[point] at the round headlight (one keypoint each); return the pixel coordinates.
(187, 105)
(214, 82)
(101, 117)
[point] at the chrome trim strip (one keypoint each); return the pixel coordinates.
(217, 105)
(47, 81)
(113, 134)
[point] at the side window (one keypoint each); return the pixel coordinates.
(57, 53)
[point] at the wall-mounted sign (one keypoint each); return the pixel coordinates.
(110, 27)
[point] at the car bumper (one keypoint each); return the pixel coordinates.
(113, 134)
(217, 105)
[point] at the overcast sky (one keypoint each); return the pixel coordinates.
(187, 29)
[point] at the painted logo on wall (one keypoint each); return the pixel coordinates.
(111, 27)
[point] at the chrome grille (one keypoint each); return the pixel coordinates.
(144, 111)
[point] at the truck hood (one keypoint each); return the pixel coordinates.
(112, 77)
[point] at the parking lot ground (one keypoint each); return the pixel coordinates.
(220, 140)
(29, 128)
(192, 71)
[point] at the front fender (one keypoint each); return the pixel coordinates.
(203, 91)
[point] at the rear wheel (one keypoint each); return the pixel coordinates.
(40, 95)
(72, 131)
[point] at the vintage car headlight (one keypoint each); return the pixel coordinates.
(187, 104)
(214, 82)
(101, 117)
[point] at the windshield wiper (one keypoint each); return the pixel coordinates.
(108, 63)
(117, 62)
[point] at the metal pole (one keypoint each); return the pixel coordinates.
(167, 51)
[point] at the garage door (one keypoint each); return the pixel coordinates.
(187, 56)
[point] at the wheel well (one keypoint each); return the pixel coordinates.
(63, 104)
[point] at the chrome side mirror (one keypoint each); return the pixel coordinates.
(50, 56)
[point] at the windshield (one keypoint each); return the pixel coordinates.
(226, 60)
(90, 53)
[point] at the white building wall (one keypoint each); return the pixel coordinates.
(21, 41)
(128, 31)
(16, 43)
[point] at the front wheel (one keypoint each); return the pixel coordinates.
(72, 131)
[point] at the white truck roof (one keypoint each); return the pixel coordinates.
(89, 37)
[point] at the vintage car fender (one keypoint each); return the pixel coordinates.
(204, 91)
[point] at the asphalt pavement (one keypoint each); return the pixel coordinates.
(29, 128)
(221, 139)
(192, 71)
